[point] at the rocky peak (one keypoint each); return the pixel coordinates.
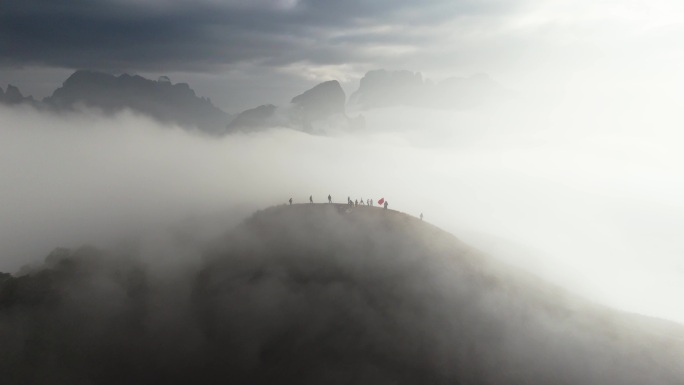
(320, 102)
(13, 95)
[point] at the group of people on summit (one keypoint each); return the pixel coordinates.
(356, 202)
(369, 202)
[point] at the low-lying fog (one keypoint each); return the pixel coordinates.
(586, 190)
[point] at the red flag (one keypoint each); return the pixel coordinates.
(381, 201)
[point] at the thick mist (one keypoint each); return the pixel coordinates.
(582, 188)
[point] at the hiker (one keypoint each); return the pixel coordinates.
(356, 203)
(361, 202)
(290, 201)
(371, 203)
(385, 205)
(329, 199)
(421, 216)
(310, 198)
(367, 202)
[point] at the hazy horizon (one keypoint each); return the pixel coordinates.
(587, 199)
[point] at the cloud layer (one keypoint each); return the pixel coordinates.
(577, 191)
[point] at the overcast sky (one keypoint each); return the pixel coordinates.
(244, 53)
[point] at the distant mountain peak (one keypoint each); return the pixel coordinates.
(328, 89)
(316, 109)
(13, 96)
(320, 102)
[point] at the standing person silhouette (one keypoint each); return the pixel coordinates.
(385, 205)
(329, 199)
(290, 201)
(310, 198)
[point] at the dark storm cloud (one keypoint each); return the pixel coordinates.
(183, 35)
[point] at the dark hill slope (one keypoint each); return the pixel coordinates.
(376, 296)
(319, 294)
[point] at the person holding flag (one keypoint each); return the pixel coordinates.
(382, 202)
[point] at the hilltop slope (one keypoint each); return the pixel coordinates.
(314, 294)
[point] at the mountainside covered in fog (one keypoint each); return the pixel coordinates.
(319, 294)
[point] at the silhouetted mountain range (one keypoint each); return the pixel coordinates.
(315, 111)
(320, 294)
(162, 100)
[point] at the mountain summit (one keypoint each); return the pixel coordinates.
(320, 294)
(323, 100)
